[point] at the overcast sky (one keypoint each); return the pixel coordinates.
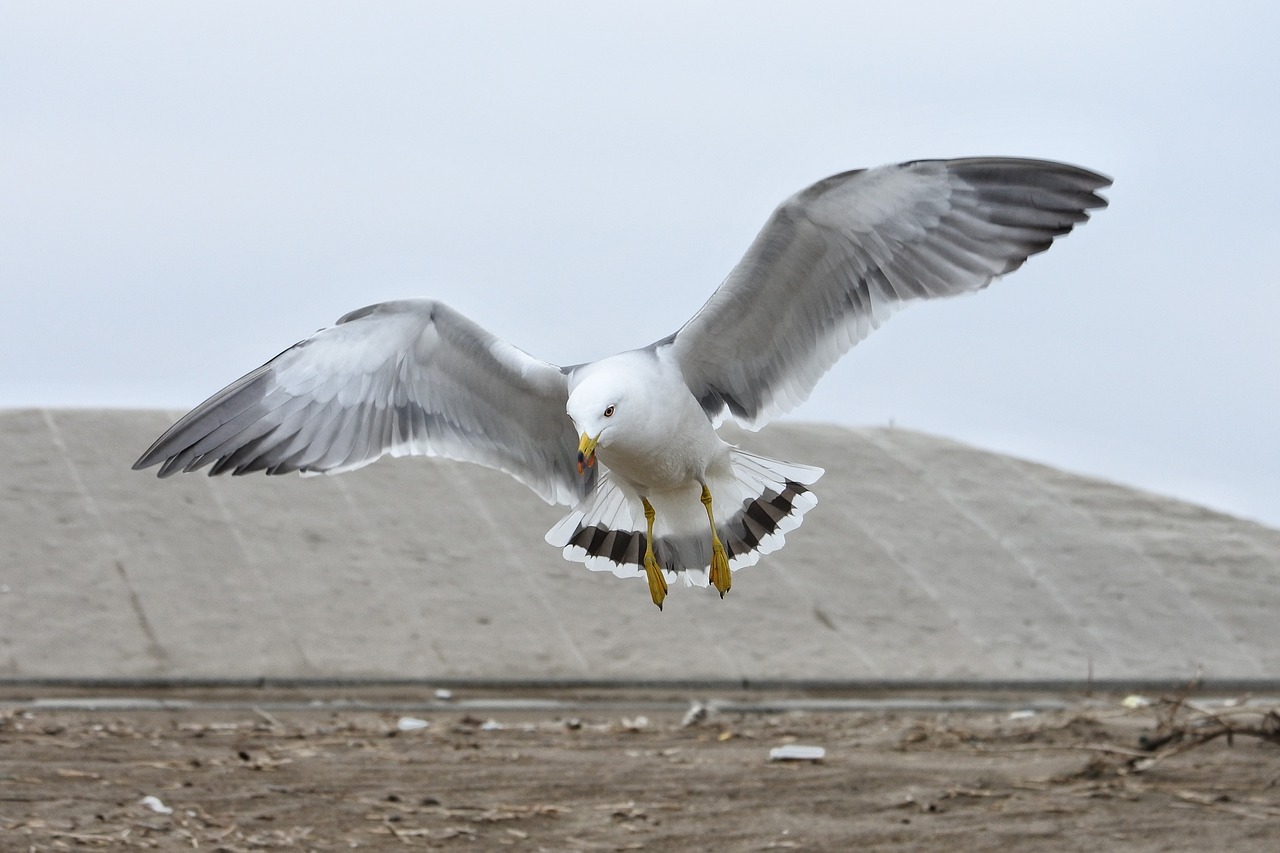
(188, 188)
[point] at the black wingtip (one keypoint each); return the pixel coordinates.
(145, 461)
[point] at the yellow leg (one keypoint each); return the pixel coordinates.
(720, 574)
(657, 583)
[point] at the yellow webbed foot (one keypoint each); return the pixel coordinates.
(720, 574)
(657, 581)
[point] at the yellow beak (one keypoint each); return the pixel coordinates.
(586, 452)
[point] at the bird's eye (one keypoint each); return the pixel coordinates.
(608, 413)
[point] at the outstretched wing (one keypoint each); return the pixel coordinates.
(408, 377)
(836, 259)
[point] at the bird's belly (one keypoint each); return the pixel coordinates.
(657, 470)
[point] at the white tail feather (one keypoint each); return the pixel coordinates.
(756, 500)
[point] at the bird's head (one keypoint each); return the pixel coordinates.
(595, 405)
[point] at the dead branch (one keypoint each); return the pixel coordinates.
(1182, 726)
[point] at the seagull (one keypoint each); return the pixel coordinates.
(629, 442)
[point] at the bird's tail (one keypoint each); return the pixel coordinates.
(756, 504)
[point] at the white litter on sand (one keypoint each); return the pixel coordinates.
(156, 805)
(411, 724)
(697, 713)
(795, 752)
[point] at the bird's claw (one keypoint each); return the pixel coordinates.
(721, 576)
(657, 583)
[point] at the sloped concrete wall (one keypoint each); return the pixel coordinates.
(924, 559)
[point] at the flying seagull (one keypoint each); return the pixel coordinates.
(629, 442)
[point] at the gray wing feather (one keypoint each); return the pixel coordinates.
(399, 378)
(837, 258)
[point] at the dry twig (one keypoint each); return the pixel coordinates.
(1182, 726)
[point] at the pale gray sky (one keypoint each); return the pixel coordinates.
(188, 188)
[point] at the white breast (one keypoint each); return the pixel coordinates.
(659, 439)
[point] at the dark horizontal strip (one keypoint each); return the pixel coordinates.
(853, 686)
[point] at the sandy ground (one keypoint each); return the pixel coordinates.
(246, 779)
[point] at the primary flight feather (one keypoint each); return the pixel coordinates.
(667, 496)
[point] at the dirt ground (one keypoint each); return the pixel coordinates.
(252, 779)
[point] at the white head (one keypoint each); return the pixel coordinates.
(606, 402)
(595, 405)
